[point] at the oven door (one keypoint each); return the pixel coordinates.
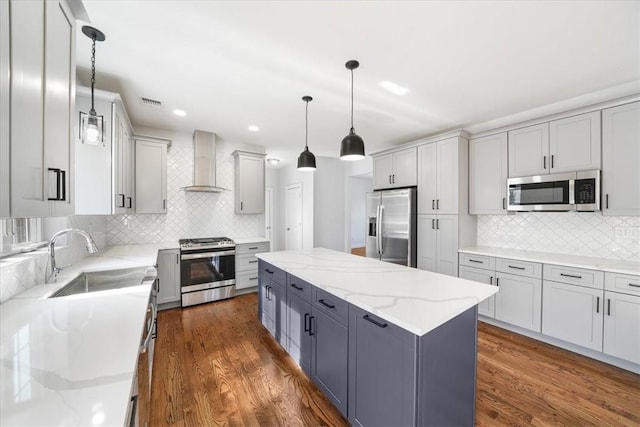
(207, 269)
(542, 193)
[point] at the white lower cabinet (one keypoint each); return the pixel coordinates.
(168, 276)
(247, 264)
(519, 300)
(573, 313)
(488, 306)
(438, 243)
(622, 326)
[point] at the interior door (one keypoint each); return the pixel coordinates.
(293, 217)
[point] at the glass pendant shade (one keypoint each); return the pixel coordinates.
(352, 147)
(306, 161)
(91, 128)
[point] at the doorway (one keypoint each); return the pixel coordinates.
(293, 218)
(268, 216)
(358, 187)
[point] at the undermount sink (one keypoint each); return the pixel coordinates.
(104, 280)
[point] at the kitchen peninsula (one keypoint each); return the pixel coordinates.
(387, 344)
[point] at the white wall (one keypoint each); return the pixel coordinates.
(288, 175)
(357, 189)
(329, 204)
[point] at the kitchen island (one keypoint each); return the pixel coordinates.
(387, 344)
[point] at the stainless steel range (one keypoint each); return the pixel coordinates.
(207, 270)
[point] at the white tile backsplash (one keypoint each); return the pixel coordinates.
(585, 233)
(189, 214)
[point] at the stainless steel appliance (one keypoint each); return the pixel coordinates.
(573, 191)
(207, 270)
(392, 226)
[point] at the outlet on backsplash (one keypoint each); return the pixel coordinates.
(627, 233)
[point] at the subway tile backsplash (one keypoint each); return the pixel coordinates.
(584, 233)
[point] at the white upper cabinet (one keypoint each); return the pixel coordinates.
(621, 160)
(438, 169)
(488, 174)
(249, 182)
(529, 151)
(395, 170)
(40, 64)
(427, 178)
(150, 176)
(5, 108)
(574, 143)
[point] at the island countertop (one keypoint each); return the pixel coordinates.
(416, 300)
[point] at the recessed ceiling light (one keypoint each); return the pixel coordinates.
(180, 113)
(254, 128)
(273, 160)
(395, 89)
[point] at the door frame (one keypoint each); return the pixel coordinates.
(286, 214)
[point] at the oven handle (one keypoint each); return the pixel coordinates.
(206, 255)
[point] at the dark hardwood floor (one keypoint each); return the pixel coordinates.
(216, 365)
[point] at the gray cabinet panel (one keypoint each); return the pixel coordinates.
(298, 324)
(330, 356)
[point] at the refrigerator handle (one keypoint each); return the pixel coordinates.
(380, 219)
(378, 229)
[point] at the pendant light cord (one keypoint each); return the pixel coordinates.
(306, 125)
(93, 69)
(351, 99)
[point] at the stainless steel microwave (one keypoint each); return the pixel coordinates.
(574, 191)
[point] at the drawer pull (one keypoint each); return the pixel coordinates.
(311, 332)
(253, 248)
(608, 306)
(268, 271)
(597, 304)
(326, 304)
(634, 285)
(375, 322)
(516, 267)
(571, 275)
(253, 262)
(475, 260)
(253, 278)
(293, 285)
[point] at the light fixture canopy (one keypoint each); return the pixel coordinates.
(306, 160)
(91, 125)
(352, 146)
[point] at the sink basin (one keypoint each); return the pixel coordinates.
(104, 280)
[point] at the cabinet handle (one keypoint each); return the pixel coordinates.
(121, 204)
(253, 262)
(268, 292)
(293, 285)
(326, 304)
(516, 267)
(394, 178)
(253, 248)
(597, 304)
(61, 186)
(497, 281)
(633, 285)
(158, 285)
(552, 161)
(571, 275)
(389, 179)
(154, 335)
(178, 258)
(437, 204)
(606, 197)
(504, 203)
(491, 280)
(130, 199)
(164, 205)
(433, 204)
(437, 224)
(241, 205)
(268, 271)
(306, 321)
(475, 260)
(311, 325)
(375, 322)
(433, 224)
(544, 162)
(608, 306)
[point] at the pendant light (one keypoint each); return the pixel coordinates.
(92, 125)
(306, 161)
(352, 147)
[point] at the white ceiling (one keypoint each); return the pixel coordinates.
(235, 63)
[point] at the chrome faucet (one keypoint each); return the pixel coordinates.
(91, 247)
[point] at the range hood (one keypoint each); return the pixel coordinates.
(204, 163)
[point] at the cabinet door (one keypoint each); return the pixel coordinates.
(529, 151)
(447, 177)
(574, 143)
(573, 313)
(59, 80)
(405, 168)
(488, 175)
(330, 358)
(382, 371)
(427, 175)
(129, 172)
(150, 177)
(621, 160)
(622, 326)
(447, 245)
(119, 161)
(267, 305)
(298, 326)
(427, 242)
(251, 185)
(486, 307)
(519, 300)
(5, 107)
(169, 276)
(28, 193)
(382, 171)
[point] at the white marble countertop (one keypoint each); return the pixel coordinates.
(70, 361)
(602, 264)
(416, 300)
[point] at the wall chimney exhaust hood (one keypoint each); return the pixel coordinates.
(204, 163)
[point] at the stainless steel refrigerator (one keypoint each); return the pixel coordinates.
(392, 226)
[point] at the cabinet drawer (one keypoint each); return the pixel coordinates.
(575, 276)
(247, 262)
(299, 287)
(279, 277)
(252, 248)
(478, 261)
(247, 279)
(521, 268)
(331, 304)
(625, 283)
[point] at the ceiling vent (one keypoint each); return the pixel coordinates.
(151, 102)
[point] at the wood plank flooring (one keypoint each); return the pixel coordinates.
(359, 251)
(216, 365)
